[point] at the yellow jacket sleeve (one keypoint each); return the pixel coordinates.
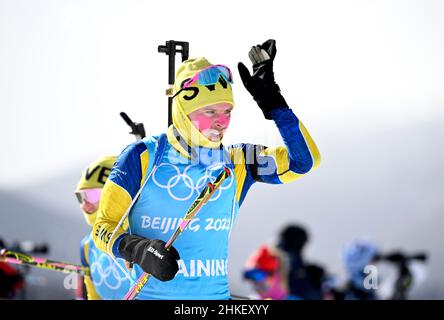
(120, 189)
(90, 289)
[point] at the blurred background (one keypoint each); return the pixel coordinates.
(365, 77)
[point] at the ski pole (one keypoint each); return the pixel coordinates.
(170, 49)
(25, 259)
(203, 197)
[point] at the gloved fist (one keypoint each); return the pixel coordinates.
(261, 84)
(151, 256)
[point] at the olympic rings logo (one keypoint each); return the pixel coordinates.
(104, 271)
(181, 187)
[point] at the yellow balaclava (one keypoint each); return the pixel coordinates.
(93, 177)
(195, 97)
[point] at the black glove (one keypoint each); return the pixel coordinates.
(151, 256)
(261, 84)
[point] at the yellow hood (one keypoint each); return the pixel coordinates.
(95, 176)
(193, 98)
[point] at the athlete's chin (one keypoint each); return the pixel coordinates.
(215, 136)
(215, 139)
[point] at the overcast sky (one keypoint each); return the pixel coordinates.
(67, 68)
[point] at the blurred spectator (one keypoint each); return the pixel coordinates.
(356, 256)
(281, 272)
